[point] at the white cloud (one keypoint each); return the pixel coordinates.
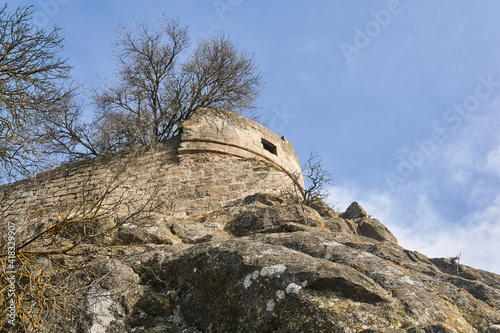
(449, 203)
(493, 161)
(341, 197)
(419, 225)
(478, 241)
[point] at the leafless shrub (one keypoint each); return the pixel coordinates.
(455, 262)
(316, 178)
(55, 250)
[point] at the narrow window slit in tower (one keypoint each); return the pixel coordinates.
(269, 147)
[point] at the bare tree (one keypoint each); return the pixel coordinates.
(30, 82)
(159, 85)
(62, 133)
(316, 178)
(160, 81)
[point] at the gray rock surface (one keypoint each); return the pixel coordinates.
(372, 228)
(274, 219)
(354, 211)
(268, 264)
(158, 233)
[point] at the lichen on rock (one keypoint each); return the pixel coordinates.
(247, 270)
(228, 245)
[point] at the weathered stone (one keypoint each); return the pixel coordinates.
(340, 225)
(246, 285)
(195, 232)
(130, 233)
(103, 310)
(187, 174)
(286, 271)
(354, 211)
(274, 219)
(323, 209)
(372, 228)
(440, 328)
(264, 199)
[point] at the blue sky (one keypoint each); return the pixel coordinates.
(400, 98)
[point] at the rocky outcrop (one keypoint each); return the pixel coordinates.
(354, 211)
(264, 220)
(372, 228)
(270, 264)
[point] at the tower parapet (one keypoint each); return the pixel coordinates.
(228, 133)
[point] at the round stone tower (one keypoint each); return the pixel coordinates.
(218, 157)
(228, 133)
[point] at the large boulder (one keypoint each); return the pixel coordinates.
(245, 285)
(275, 219)
(372, 228)
(337, 224)
(354, 211)
(143, 233)
(196, 232)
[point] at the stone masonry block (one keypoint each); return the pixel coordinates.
(218, 190)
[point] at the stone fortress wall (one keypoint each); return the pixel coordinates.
(218, 157)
